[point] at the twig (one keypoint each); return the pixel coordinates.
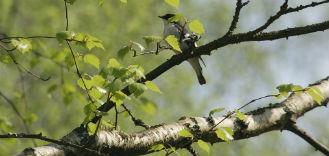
(41, 137)
(15, 109)
(239, 6)
(40, 55)
(97, 127)
(140, 142)
(27, 37)
(18, 114)
(22, 67)
(116, 117)
(25, 102)
(22, 88)
(145, 53)
(218, 43)
(137, 122)
(281, 12)
(159, 48)
(284, 9)
(66, 16)
(301, 133)
(301, 7)
(6, 49)
(78, 71)
(230, 113)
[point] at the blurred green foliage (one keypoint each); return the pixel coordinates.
(56, 106)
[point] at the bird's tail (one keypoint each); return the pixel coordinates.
(198, 69)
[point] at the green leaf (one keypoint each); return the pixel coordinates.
(116, 68)
(97, 92)
(82, 85)
(70, 1)
(69, 61)
(151, 39)
(113, 63)
(119, 72)
(196, 26)
(91, 128)
(173, 42)
(295, 88)
(185, 133)
(22, 45)
(217, 110)
(108, 125)
(124, 1)
(175, 18)
(123, 51)
(204, 146)
(174, 3)
(229, 130)
(316, 94)
(89, 109)
(157, 147)
(5, 59)
(88, 41)
(114, 86)
(152, 86)
(100, 2)
(285, 89)
(224, 135)
(118, 98)
(240, 115)
(221, 134)
(140, 47)
(65, 35)
(92, 60)
(136, 72)
(95, 81)
(92, 42)
(137, 89)
(31, 117)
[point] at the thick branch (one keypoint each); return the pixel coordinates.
(262, 120)
(222, 42)
(301, 133)
(41, 137)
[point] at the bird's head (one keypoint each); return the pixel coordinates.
(166, 17)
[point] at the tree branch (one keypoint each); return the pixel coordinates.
(239, 6)
(301, 133)
(41, 137)
(16, 111)
(262, 120)
(137, 122)
(222, 42)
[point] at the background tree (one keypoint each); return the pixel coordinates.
(40, 92)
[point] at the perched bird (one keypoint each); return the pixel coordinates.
(187, 41)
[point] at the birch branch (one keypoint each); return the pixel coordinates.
(273, 117)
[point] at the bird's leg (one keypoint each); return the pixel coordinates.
(182, 33)
(157, 50)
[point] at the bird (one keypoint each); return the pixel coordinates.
(187, 41)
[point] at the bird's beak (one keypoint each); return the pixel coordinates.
(160, 17)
